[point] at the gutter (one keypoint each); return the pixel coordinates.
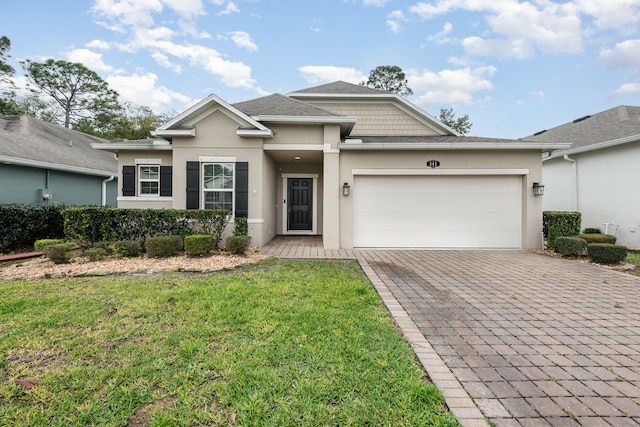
(450, 146)
(104, 189)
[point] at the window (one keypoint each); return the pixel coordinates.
(149, 180)
(218, 184)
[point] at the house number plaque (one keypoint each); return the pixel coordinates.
(433, 164)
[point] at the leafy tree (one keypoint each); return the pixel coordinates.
(6, 70)
(77, 90)
(133, 122)
(461, 124)
(7, 94)
(390, 78)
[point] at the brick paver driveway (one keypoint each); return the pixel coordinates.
(534, 340)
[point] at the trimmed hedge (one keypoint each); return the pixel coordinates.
(128, 248)
(163, 246)
(238, 245)
(95, 224)
(592, 230)
(21, 225)
(606, 253)
(199, 244)
(599, 238)
(559, 223)
(570, 246)
(39, 245)
(241, 227)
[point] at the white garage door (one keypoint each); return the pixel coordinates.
(437, 211)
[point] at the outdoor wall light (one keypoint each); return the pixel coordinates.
(538, 189)
(346, 189)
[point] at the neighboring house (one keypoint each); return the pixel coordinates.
(361, 167)
(599, 174)
(43, 163)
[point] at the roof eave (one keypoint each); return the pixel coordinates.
(106, 146)
(594, 147)
(169, 133)
(55, 166)
(255, 133)
(450, 146)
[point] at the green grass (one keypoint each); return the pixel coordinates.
(633, 258)
(284, 344)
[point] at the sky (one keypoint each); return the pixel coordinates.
(515, 67)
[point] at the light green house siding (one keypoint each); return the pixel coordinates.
(20, 184)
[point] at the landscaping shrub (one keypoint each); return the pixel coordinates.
(21, 225)
(238, 244)
(556, 224)
(163, 246)
(606, 253)
(241, 227)
(96, 253)
(59, 253)
(128, 248)
(199, 244)
(39, 245)
(570, 246)
(599, 238)
(592, 230)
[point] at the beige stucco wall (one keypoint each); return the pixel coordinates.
(461, 159)
(379, 118)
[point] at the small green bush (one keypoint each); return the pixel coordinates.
(59, 253)
(241, 227)
(570, 246)
(128, 248)
(560, 223)
(599, 238)
(39, 245)
(200, 244)
(163, 246)
(238, 244)
(592, 230)
(96, 253)
(606, 253)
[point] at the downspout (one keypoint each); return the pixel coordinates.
(575, 180)
(104, 189)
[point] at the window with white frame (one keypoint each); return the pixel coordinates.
(218, 185)
(148, 180)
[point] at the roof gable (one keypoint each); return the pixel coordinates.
(340, 87)
(32, 142)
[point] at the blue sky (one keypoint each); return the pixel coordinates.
(515, 67)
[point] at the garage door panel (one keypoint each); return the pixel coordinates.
(437, 211)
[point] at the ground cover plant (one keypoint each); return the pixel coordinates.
(280, 344)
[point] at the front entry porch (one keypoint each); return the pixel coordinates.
(303, 247)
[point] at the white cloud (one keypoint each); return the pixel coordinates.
(395, 20)
(243, 39)
(620, 15)
(142, 89)
(187, 9)
(231, 8)
(89, 59)
(627, 89)
(518, 29)
(128, 12)
(314, 74)
(98, 44)
(450, 86)
(376, 3)
(163, 60)
(624, 55)
(441, 37)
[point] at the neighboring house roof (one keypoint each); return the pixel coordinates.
(618, 125)
(27, 141)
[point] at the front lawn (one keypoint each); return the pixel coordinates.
(285, 343)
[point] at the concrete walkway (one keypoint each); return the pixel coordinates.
(532, 340)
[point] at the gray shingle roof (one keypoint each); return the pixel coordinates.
(341, 87)
(619, 122)
(30, 139)
(280, 105)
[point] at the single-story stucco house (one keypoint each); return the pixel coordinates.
(361, 167)
(43, 163)
(598, 174)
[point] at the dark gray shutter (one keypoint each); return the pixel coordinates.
(242, 190)
(166, 180)
(193, 185)
(128, 180)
